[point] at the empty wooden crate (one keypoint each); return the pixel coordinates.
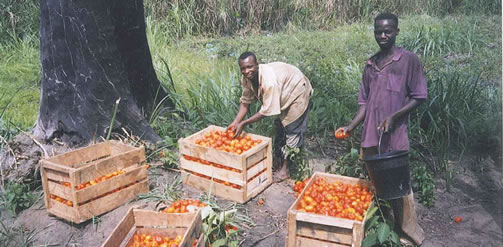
(93, 180)
(237, 177)
(310, 229)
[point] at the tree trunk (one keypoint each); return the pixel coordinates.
(92, 53)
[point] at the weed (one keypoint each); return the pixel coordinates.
(423, 183)
(348, 165)
(378, 229)
(16, 197)
(166, 193)
(298, 163)
(17, 236)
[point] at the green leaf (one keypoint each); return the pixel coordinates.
(219, 242)
(383, 232)
(370, 240)
(354, 152)
(371, 211)
(395, 238)
(371, 223)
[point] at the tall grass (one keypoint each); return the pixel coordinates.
(195, 17)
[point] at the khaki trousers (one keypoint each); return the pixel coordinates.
(404, 211)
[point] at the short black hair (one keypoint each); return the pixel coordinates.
(386, 16)
(247, 54)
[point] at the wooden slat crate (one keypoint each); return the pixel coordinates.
(62, 175)
(251, 170)
(309, 229)
(161, 224)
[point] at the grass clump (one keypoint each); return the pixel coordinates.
(15, 197)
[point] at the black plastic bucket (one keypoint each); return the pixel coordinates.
(390, 174)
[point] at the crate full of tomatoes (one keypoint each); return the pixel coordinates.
(233, 168)
(150, 228)
(93, 180)
(329, 211)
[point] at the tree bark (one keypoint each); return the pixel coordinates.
(92, 53)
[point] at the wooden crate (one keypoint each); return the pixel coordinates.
(157, 223)
(308, 229)
(254, 165)
(86, 164)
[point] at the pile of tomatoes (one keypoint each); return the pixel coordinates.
(336, 199)
(208, 163)
(100, 179)
(299, 185)
(180, 206)
(140, 240)
(62, 200)
(94, 181)
(224, 141)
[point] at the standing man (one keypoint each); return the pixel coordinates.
(285, 92)
(393, 84)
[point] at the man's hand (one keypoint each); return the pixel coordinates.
(238, 129)
(387, 124)
(231, 126)
(345, 130)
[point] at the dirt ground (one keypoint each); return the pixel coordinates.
(475, 196)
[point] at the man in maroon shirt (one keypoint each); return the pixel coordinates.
(393, 84)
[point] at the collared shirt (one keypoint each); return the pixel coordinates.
(385, 91)
(283, 90)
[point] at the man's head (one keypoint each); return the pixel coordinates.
(248, 65)
(385, 30)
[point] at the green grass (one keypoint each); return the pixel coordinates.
(20, 82)
(205, 81)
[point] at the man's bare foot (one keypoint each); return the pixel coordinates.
(282, 172)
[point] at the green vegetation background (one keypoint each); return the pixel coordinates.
(459, 43)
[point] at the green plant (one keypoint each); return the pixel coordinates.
(378, 229)
(423, 183)
(222, 225)
(347, 165)
(167, 193)
(298, 163)
(17, 236)
(15, 197)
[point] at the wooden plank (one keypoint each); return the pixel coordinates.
(210, 154)
(226, 175)
(256, 157)
(217, 189)
(148, 218)
(303, 241)
(291, 234)
(59, 190)
(56, 175)
(358, 235)
(109, 165)
(82, 155)
(259, 189)
(193, 231)
(62, 211)
(57, 167)
(132, 175)
(119, 147)
(325, 220)
(45, 187)
(256, 169)
(325, 232)
(121, 230)
(256, 182)
(112, 201)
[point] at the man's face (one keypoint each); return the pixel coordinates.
(249, 67)
(385, 32)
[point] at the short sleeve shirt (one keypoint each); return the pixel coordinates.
(386, 90)
(281, 85)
